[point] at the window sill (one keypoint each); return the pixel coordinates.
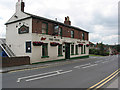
(77, 54)
(45, 57)
(60, 55)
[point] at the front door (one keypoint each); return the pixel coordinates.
(67, 51)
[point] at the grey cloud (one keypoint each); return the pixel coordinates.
(77, 10)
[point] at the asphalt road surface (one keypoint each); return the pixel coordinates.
(81, 73)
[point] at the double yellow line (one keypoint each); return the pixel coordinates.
(104, 81)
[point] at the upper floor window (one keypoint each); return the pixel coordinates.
(83, 36)
(72, 34)
(44, 28)
(60, 31)
(56, 29)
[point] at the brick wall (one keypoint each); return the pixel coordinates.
(66, 31)
(36, 26)
(15, 61)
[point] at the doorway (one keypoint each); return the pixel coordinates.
(67, 51)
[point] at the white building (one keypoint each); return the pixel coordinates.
(43, 39)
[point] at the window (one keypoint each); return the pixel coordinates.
(56, 29)
(45, 51)
(60, 32)
(84, 49)
(76, 50)
(81, 49)
(83, 36)
(44, 28)
(72, 34)
(60, 50)
(28, 47)
(72, 49)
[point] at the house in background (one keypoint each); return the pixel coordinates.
(107, 48)
(43, 39)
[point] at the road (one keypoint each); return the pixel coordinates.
(82, 73)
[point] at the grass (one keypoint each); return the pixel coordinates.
(96, 55)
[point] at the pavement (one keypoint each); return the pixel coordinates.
(32, 66)
(36, 66)
(81, 73)
(115, 84)
(8, 69)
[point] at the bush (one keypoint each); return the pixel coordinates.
(98, 52)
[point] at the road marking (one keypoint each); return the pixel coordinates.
(90, 66)
(105, 61)
(58, 73)
(54, 65)
(107, 81)
(19, 79)
(103, 80)
(98, 61)
(81, 65)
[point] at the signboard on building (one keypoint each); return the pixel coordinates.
(51, 39)
(23, 29)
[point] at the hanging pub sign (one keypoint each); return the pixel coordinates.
(23, 29)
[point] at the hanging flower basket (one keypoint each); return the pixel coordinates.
(37, 43)
(53, 44)
(80, 45)
(87, 45)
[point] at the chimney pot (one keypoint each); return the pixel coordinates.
(22, 6)
(67, 21)
(65, 18)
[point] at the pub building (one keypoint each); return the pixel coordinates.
(43, 39)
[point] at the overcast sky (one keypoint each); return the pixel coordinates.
(99, 17)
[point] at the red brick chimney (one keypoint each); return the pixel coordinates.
(67, 21)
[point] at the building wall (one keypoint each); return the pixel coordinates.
(16, 41)
(53, 51)
(66, 31)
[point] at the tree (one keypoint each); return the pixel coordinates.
(101, 48)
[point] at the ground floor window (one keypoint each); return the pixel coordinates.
(28, 47)
(76, 50)
(60, 50)
(72, 49)
(45, 51)
(84, 49)
(81, 49)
